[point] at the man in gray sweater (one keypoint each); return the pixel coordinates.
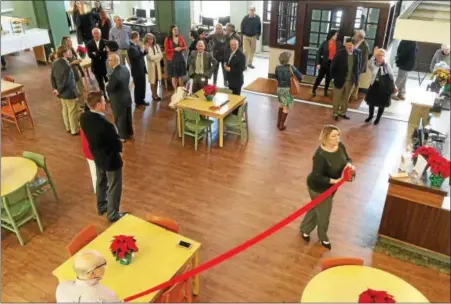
(65, 87)
(218, 40)
(441, 55)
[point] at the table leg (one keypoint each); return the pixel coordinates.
(179, 123)
(195, 261)
(221, 132)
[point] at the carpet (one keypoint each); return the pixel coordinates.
(269, 86)
(413, 255)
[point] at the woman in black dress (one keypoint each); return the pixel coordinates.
(77, 11)
(382, 85)
(105, 25)
(175, 46)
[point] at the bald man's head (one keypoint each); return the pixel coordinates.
(89, 265)
(114, 60)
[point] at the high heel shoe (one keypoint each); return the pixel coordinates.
(326, 245)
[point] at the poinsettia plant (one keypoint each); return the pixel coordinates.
(376, 296)
(123, 246)
(425, 151)
(82, 51)
(439, 165)
(209, 90)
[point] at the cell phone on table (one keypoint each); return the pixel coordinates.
(184, 244)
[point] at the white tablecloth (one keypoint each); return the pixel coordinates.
(15, 43)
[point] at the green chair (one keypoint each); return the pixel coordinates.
(195, 126)
(234, 124)
(17, 209)
(224, 90)
(40, 185)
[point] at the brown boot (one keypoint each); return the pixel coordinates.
(278, 116)
(283, 118)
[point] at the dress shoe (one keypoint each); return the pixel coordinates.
(336, 117)
(250, 66)
(3, 68)
(75, 134)
(305, 236)
(345, 117)
(376, 122)
(313, 93)
(401, 97)
(101, 212)
(395, 97)
(145, 103)
(369, 119)
(325, 93)
(326, 245)
(117, 217)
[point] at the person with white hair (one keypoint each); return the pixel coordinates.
(251, 29)
(97, 52)
(89, 266)
(441, 55)
(361, 44)
(201, 66)
(121, 34)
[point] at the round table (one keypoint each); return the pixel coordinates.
(16, 172)
(346, 283)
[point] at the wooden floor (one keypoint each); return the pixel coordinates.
(220, 197)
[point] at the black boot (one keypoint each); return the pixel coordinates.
(279, 115)
(380, 111)
(371, 114)
(283, 117)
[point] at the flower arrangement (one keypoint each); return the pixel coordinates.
(442, 75)
(210, 92)
(82, 51)
(440, 166)
(375, 296)
(123, 247)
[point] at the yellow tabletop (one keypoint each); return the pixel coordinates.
(10, 87)
(158, 260)
(346, 283)
(16, 172)
(85, 62)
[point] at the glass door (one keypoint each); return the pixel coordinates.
(319, 22)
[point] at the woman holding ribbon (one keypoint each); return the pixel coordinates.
(329, 163)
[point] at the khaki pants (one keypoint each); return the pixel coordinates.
(124, 56)
(354, 93)
(71, 113)
(249, 45)
(318, 216)
(341, 98)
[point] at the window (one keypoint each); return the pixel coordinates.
(367, 19)
(287, 17)
(266, 11)
(210, 9)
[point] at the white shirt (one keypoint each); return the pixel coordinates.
(81, 291)
(97, 44)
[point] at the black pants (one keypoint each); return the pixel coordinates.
(101, 79)
(123, 122)
(216, 70)
(235, 91)
(140, 88)
(3, 62)
(380, 111)
(109, 191)
(199, 81)
(323, 71)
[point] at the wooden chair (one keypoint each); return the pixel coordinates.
(41, 184)
(82, 239)
(15, 109)
(341, 261)
(10, 79)
(163, 222)
(17, 209)
(179, 293)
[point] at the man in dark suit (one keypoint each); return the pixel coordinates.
(201, 66)
(345, 70)
(97, 53)
(138, 68)
(120, 98)
(106, 148)
(235, 66)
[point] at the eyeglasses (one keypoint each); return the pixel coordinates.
(101, 265)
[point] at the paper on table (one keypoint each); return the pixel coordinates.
(420, 166)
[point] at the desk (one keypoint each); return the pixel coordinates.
(142, 28)
(346, 283)
(16, 172)
(10, 87)
(158, 259)
(34, 38)
(202, 106)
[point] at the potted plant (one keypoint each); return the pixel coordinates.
(82, 51)
(209, 92)
(123, 248)
(440, 170)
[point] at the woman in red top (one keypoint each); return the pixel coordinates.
(175, 46)
(88, 155)
(326, 53)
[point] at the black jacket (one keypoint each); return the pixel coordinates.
(98, 56)
(87, 24)
(63, 79)
(322, 57)
(136, 56)
(227, 50)
(118, 88)
(339, 67)
(237, 66)
(251, 26)
(105, 29)
(406, 55)
(103, 140)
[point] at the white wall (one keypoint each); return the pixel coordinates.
(124, 8)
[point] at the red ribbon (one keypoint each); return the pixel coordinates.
(234, 251)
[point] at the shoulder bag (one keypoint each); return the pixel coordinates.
(295, 86)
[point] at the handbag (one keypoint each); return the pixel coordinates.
(295, 86)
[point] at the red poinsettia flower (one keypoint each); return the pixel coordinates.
(425, 151)
(81, 49)
(376, 296)
(122, 245)
(439, 166)
(210, 89)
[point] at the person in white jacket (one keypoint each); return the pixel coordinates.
(154, 57)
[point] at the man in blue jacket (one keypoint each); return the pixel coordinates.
(345, 70)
